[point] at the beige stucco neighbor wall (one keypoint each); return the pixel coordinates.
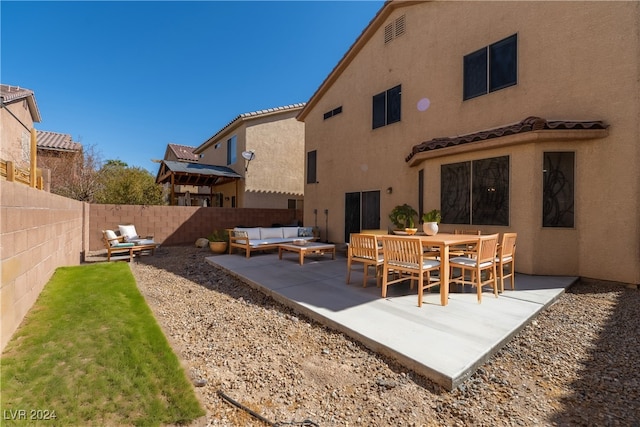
(276, 173)
(39, 232)
(14, 138)
(576, 61)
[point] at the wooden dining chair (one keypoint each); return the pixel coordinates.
(464, 250)
(506, 259)
(481, 260)
(403, 258)
(364, 249)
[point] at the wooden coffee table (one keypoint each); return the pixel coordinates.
(308, 249)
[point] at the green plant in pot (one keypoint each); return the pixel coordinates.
(430, 222)
(218, 240)
(403, 218)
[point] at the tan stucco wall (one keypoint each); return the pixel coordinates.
(577, 61)
(12, 133)
(276, 173)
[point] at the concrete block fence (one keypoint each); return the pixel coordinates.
(180, 225)
(40, 232)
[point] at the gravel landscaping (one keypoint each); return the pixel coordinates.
(577, 363)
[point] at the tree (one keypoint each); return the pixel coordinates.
(124, 185)
(75, 176)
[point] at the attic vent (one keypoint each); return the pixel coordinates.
(394, 29)
(400, 26)
(388, 33)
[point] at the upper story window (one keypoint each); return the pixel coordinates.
(311, 167)
(231, 150)
(333, 112)
(387, 107)
(491, 68)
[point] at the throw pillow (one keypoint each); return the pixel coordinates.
(128, 232)
(305, 232)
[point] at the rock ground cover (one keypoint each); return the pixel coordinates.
(576, 364)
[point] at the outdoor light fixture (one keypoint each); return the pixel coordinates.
(389, 190)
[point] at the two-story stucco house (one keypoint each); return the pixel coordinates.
(266, 148)
(59, 157)
(18, 114)
(506, 116)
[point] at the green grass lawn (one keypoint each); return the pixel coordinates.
(90, 352)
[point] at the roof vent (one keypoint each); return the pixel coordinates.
(395, 29)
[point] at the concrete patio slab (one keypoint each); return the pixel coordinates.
(445, 344)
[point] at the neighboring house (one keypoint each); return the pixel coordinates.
(60, 155)
(190, 183)
(266, 148)
(18, 114)
(507, 116)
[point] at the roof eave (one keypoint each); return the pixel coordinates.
(241, 118)
(377, 21)
(545, 135)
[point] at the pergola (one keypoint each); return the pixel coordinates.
(197, 174)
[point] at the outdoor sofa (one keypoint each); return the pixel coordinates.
(251, 239)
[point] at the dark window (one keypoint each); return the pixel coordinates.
(475, 192)
(491, 68)
(387, 107)
(379, 110)
(311, 167)
(503, 63)
(333, 112)
(455, 193)
(490, 191)
(475, 74)
(558, 189)
(231, 150)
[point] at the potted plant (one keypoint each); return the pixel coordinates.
(218, 240)
(402, 216)
(430, 221)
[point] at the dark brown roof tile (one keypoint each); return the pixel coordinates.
(527, 125)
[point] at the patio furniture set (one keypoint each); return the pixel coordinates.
(462, 258)
(291, 239)
(126, 243)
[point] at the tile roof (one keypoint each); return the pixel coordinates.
(56, 141)
(183, 152)
(527, 125)
(10, 93)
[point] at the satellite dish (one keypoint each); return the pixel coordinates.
(248, 156)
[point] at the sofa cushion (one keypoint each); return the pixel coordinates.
(289, 232)
(111, 235)
(305, 231)
(270, 241)
(270, 233)
(253, 233)
(128, 232)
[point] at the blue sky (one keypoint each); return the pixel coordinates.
(130, 77)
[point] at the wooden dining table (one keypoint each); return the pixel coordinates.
(444, 241)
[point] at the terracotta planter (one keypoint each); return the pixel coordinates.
(218, 247)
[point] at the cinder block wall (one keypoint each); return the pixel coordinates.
(178, 225)
(39, 232)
